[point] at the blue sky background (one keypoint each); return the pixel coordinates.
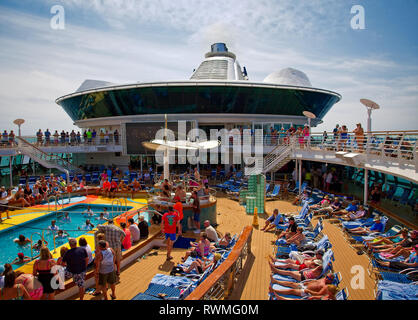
(129, 41)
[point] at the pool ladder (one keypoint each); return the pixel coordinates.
(119, 207)
(56, 198)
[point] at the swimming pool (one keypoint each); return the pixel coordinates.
(9, 249)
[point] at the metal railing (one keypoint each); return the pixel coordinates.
(66, 142)
(46, 159)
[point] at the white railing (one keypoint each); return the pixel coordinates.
(110, 140)
(393, 145)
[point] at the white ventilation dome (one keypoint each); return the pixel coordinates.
(289, 77)
(93, 84)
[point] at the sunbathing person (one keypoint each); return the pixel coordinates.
(329, 293)
(225, 241)
(290, 231)
(302, 275)
(352, 207)
(307, 264)
(377, 226)
(300, 260)
(333, 207)
(310, 287)
(410, 262)
(325, 202)
(202, 265)
(401, 249)
(200, 249)
(297, 238)
(270, 221)
(383, 243)
(353, 216)
(302, 197)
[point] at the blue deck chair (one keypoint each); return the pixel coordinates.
(401, 276)
(336, 282)
(342, 294)
(327, 260)
(275, 193)
(267, 187)
(405, 196)
(389, 290)
(316, 231)
(306, 221)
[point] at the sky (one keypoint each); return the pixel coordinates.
(123, 41)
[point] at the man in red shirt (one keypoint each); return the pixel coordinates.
(168, 227)
(178, 207)
(113, 188)
(106, 187)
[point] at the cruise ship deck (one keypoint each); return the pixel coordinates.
(254, 280)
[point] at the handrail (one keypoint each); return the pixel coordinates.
(45, 156)
(223, 277)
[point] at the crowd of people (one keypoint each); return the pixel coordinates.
(49, 138)
(49, 274)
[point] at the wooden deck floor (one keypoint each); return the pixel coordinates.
(255, 278)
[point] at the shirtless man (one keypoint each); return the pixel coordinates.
(180, 193)
(311, 287)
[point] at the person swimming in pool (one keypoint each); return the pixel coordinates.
(66, 218)
(21, 259)
(101, 217)
(87, 226)
(22, 240)
(105, 213)
(53, 227)
(61, 236)
(37, 246)
(89, 212)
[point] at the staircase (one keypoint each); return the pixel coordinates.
(46, 160)
(273, 161)
(277, 158)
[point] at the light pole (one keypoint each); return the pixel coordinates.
(370, 105)
(310, 116)
(19, 122)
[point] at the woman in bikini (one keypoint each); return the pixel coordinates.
(13, 290)
(42, 270)
(200, 249)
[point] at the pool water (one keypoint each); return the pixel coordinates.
(34, 228)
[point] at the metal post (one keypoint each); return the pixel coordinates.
(369, 128)
(366, 186)
(300, 177)
(11, 171)
(141, 164)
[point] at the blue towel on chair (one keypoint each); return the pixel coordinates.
(183, 243)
